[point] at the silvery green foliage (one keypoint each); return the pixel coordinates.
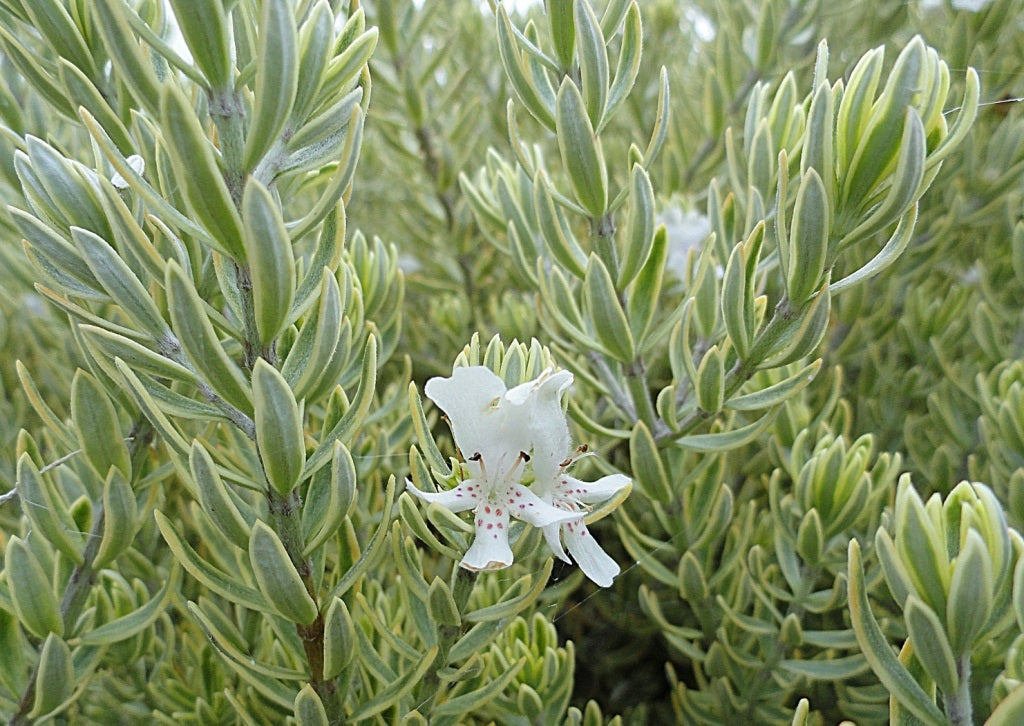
(242, 236)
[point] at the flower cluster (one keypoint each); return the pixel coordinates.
(503, 435)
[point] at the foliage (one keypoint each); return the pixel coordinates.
(777, 246)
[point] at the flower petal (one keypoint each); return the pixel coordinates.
(548, 425)
(470, 399)
(490, 549)
(592, 492)
(527, 506)
(594, 561)
(486, 426)
(553, 537)
(465, 496)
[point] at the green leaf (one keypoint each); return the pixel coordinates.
(628, 66)
(441, 605)
(62, 260)
(82, 92)
(819, 136)
(315, 40)
(241, 660)
(810, 538)
(878, 143)
(55, 25)
(323, 344)
(329, 244)
(198, 174)
(339, 639)
(55, 676)
(921, 548)
(276, 82)
(397, 689)
(1010, 710)
(279, 434)
(277, 577)
(227, 586)
(33, 598)
(970, 594)
(268, 248)
(562, 26)
(468, 702)
(410, 514)
(800, 336)
(423, 436)
(555, 230)
(119, 281)
(728, 439)
(515, 69)
(343, 69)
(710, 385)
(661, 121)
(96, 424)
(593, 58)
(475, 640)
(605, 313)
(906, 185)
(831, 669)
(48, 511)
(649, 471)
(339, 182)
(168, 432)
(855, 105)
(886, 666)
(646, 292)
(357, 409)
(133, 68)
(136, 621)
(215, 499)
(639, 238)
(737, 297)
(329, 499)
(204, 26)
(808, 238)
(777, 392)
(513, 602)
(14, 674)
(61, 187)
(931, 646)
(120, 518)
(309, 709)
(373, 549)
(200, 342)
(581, 151)
(964, 120)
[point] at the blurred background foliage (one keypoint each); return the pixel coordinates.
(729, 608)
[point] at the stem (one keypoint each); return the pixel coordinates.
(959, 709)
(619, 395)
(448, 636)
(285, 511)
(170, 348)
(228, 112)
(764, 345)
(636, 381)
(79, 586)
(602, 240)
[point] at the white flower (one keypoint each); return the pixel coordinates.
(686, 231)
(552, 455)
(491, 426)
(137, 164)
